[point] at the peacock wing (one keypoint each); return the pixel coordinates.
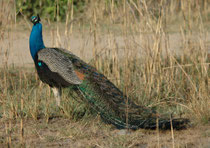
(59, 63)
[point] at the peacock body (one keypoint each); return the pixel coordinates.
(60, 68)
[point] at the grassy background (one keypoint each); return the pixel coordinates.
(144, 68)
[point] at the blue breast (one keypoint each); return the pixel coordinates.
(36, 41)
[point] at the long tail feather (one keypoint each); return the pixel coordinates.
(112, 105)
(140, 118)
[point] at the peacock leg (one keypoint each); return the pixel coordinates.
(57, 94)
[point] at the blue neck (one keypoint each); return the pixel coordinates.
(36, 41)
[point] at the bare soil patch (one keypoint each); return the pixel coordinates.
(66, 133)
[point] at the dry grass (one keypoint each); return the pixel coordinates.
(143, 66)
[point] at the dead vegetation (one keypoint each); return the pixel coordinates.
(143, 66)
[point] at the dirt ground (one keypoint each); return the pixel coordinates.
(67, 133)
(15, 45)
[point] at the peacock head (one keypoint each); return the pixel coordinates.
(35, 19)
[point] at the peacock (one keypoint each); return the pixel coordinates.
(59, 68)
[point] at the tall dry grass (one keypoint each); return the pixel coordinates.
(131, 44)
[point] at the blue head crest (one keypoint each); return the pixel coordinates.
(36, 42)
